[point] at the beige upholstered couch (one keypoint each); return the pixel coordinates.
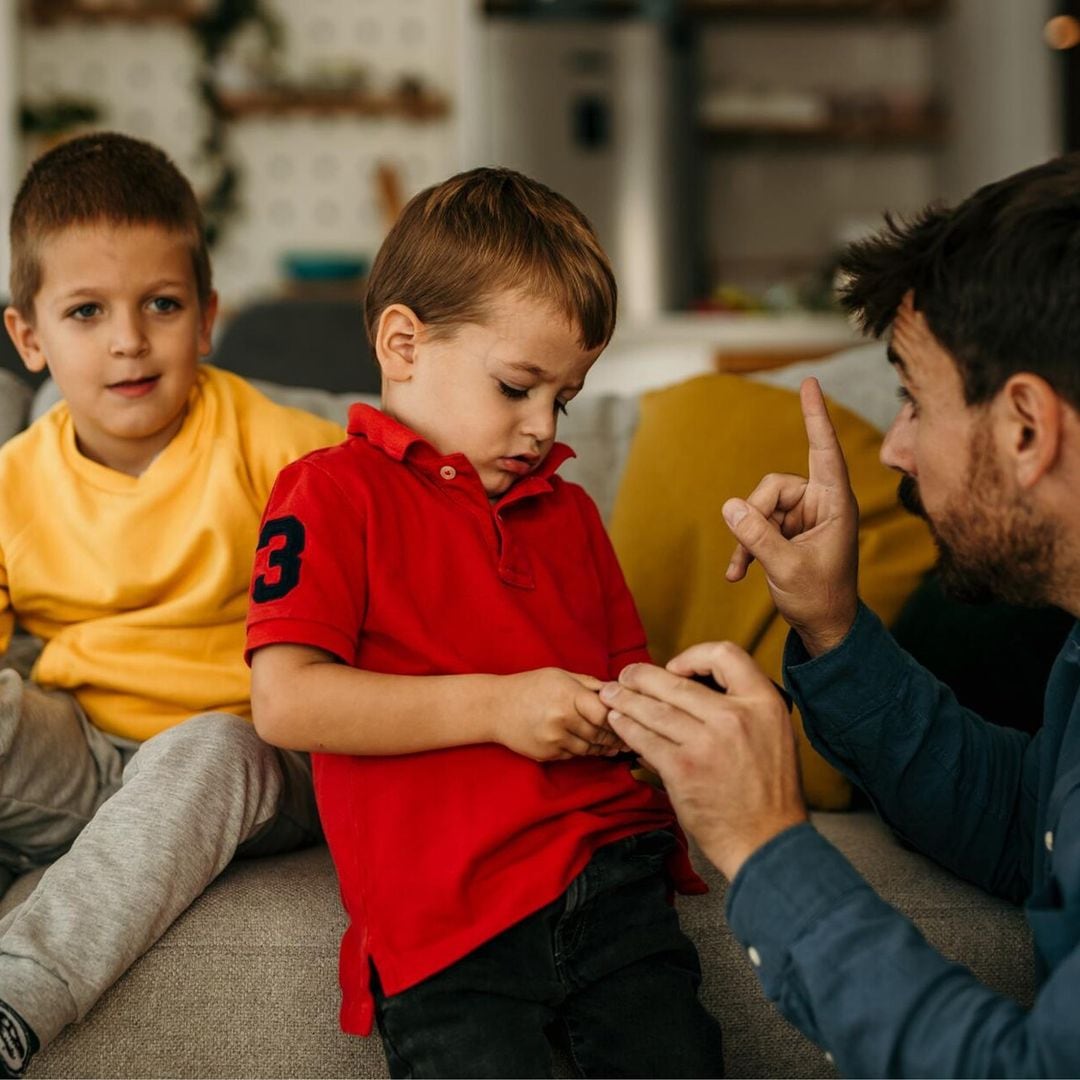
(244, 984)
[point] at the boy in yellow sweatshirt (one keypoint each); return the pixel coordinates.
(127, 518)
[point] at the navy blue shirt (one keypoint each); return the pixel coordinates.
(999, 808)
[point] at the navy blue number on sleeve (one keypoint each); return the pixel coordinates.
(285, 559)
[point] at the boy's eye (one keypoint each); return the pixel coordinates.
(163, 304)
(85, 311)
(515, 393)
(560, 406)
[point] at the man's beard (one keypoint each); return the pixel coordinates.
(988, 551)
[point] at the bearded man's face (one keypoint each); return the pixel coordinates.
(990, 544)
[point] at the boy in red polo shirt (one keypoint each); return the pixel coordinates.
(432, 612)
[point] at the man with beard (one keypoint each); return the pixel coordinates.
(982, 307)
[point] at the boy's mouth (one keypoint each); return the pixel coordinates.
(520, 463)
(135, 387)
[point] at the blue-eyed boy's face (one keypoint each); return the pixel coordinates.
(118, 323)
(493, 390)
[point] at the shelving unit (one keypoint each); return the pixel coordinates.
(52, 12)
(928, 133)
(297, 101)
(790, 151)
(786, 9)
(304, 135)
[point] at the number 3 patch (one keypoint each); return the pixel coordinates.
(285, 559)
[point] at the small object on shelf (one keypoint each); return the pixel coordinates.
(283, 99)
(389, 193)
(870, 117)
(324, 265)
(324, 275)
(763, 108)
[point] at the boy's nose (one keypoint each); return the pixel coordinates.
(128, 337)
(540, 423)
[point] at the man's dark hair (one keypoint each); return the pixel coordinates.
(997, 279)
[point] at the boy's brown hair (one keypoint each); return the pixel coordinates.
(104, 176)
(486, 231)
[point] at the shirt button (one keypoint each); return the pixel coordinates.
(1048, 840)
(755, 956)
(448, 472)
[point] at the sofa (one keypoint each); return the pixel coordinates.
(244, 984)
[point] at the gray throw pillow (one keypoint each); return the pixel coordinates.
(15, 398)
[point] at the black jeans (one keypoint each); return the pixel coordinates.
(605, 969)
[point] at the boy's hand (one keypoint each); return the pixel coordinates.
(559, 715)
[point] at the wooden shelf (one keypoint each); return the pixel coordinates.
(47, 12)
(718, 9)
(928, 132)
(308, 102)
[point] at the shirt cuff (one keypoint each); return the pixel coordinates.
(847, 678)
(780, 892)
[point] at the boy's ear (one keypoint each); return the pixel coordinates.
(396, 338)
(207, 315)
(25, 339)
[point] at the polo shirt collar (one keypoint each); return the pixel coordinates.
(400, 442)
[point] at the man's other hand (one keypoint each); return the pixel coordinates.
(728, 761)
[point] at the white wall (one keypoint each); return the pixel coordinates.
(9, 134)
(1001, 80)
(308, 181)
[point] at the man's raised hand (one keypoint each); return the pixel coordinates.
(804, 532)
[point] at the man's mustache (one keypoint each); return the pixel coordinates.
(908, 494)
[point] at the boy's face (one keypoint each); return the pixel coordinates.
(117, 322)
(492, 391)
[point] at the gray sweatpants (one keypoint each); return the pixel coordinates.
(131, 836)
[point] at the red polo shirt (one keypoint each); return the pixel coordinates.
(391, 557)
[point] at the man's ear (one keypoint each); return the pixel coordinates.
(396, 339)
(1032, 415)
(25, 339)
(207, 315)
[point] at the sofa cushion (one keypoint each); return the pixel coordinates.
(15, 397)
(702, 442)
(244, 984)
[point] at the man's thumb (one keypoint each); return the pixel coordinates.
(750, 528)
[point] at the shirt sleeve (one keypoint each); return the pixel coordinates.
(858, 978)
(626, 634)
(900, 735)
(308, 583)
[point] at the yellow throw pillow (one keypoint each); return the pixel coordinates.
(714, 437)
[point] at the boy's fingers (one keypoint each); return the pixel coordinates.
(587, 681)
(591, 708)
(576, 745)
(645, 743)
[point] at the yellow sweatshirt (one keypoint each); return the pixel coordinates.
(139, 585)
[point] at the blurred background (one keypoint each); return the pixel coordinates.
(724, 149)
